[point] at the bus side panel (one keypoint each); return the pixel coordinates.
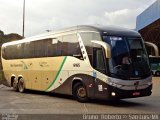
(52, 74)
(101, 90)
(47, 78)
(6, 79)
(24, 74)
(35, 78)
(87, 80)
(58, 80)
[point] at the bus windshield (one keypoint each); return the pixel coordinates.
(129, 59)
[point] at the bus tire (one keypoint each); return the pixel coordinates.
(21, 85)
(80, 92)
(15, 85)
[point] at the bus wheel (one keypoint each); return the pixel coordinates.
(80, 92)
(15, 86)
(21, 86)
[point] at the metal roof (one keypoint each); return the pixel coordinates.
(150, 15)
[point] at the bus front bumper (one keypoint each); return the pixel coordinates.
(116, 93)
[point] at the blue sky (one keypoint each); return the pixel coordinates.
(42, 15)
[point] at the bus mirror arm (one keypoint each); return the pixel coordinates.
(105, 46)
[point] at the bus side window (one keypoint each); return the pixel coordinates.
(11, 53)
(38, 50)
(52, 47)
(19, 51)
(3, 52)
(87, 37)
(70, 46)
(28, 50)
(89, 50)
(46, 47)
(98, 60)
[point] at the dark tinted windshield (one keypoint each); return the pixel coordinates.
(129, 59)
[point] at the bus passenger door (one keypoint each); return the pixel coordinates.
(99, 65)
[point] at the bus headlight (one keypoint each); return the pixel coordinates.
(113, 94)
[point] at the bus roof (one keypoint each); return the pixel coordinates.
(103, 30)
(111, 30)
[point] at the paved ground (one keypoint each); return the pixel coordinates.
(43, 103)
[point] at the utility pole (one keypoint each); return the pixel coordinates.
(23, 18)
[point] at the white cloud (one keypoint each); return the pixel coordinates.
(124, 17)
(42, 15)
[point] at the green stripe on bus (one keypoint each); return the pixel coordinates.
(57, 74)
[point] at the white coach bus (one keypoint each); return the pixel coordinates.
(88, 62)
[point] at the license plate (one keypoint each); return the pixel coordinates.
(136, 93)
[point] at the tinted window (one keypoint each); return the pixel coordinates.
(98, 61)
(38, 48)
(19, 51)
(87, 37)
(28, 50)
(52, 47)
(154, 60)
(70, 46)
(3, 52)
(10, 51)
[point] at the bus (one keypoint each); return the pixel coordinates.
(154, 58)
(155, 65)
(87, 62)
